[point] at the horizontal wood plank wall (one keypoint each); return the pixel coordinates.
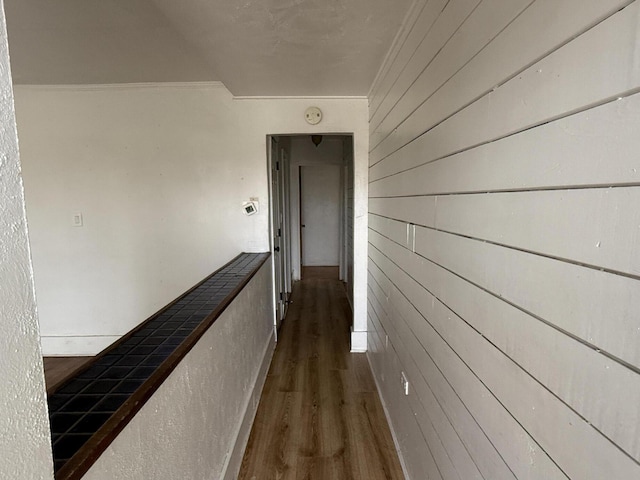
(504, 239)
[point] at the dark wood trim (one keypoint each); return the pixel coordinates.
(86, 456)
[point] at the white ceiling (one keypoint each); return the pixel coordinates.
(255, 47)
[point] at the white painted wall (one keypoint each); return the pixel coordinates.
(159, 173)
(504, 275)
(197, 423)
(25, 441)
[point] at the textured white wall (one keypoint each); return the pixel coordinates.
(159, 174)
(189, 427)
(25, 441)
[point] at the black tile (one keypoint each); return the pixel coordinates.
(173, 341)
(93, 372)
(57, 400)
(181, 334)
(108, 359)
(59, 463)
(174, 324)
(119, 373)
(153, 341)
(142, 372)
(74, 386)
(127, 386)
(142, 350)
(131, 342)
(61, 422)
(132, 360)
(90, 423)
(101, 386)
(68, 445)
(165, 332)
(154, 360)
(81, 403)
(165, 350)
(121, 349)
(110, 403)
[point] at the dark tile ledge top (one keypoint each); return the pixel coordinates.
(88, 410)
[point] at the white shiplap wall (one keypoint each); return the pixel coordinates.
(504, 239)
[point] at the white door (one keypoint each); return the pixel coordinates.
(320, 215)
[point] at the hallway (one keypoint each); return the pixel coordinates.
(320, 416)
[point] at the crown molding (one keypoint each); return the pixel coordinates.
(301, 97)
(123, 86)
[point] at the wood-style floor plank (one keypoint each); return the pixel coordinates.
(320, 415)
(58, 369)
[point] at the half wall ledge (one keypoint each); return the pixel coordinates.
(88, 410)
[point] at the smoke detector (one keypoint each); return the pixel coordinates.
(313, 115)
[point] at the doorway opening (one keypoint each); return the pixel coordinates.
(311, 202)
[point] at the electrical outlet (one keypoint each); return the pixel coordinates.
(405, 383)
(77, 220)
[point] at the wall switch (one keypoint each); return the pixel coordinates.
(405, 384)
(77, 220)
(386, 342)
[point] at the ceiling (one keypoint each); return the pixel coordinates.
(255, 47)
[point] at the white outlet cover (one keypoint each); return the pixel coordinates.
(313, 115)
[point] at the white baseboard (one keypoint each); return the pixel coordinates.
(234, 459)
(358, 341)
(75, 346)
(389, 422)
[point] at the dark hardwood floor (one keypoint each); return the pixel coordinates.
(320, 416)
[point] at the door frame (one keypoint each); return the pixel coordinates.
(341, 212)
(279, 231)
(355, 222)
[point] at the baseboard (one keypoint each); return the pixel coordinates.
(234, 459)
(358, 341)
(389, 422)
(76, 345)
